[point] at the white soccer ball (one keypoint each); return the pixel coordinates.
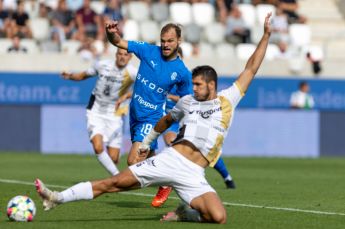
(21, 208)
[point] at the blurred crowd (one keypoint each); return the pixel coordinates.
(77, 20)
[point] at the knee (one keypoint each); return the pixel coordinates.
(98, 148)
(219, 217)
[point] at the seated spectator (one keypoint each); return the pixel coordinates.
(87, 51)
(280, 30)
(4, 21)
(43, 10)
(301, 99)
(236, 29)
(88, 23)
(223, 7)
(16, 47)
(20, 22)
(290, 7)
(113, 12)
(62, 21)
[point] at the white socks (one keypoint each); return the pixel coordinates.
(228, 178)
(107, 163)
(81, 191)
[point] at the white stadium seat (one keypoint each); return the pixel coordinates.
(192, 33)
(187, 49)
(272, 52)
(262, 10)
(160, 11)
(149, 31)
(51, 3)
(300, 34)
(30, 45)
(203, 13)
(97, 6)
(316, 52)
(244, 51)
(40, 28)
(138, 10)
(206, 50)
(215, 33)
(5, 43)
(248, 14)
(225, 50)
(131, 30)
(70, 47)
(181, 12)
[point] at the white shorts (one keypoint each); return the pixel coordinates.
(172, 169)
(110, 127)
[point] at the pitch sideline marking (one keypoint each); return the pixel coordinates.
(175, 198)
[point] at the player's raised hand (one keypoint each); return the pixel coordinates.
(111, 26)
(112, 30)
(267, 24)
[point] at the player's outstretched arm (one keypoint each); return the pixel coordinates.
(74, 76)
(113, 35)
(254, 62)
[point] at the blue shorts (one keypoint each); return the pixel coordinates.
(173, 128)
(140, 129)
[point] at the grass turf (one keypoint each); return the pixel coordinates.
(307, 184)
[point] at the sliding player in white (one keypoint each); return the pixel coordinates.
(205, 118)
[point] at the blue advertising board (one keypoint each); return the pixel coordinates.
(275, 92)
(42, 88)
(49, 88)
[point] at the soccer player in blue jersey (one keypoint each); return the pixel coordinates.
(160, 70)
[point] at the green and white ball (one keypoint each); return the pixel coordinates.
(21, 208)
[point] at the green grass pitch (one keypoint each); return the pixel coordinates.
(271, 193)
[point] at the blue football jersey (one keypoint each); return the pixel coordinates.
(170, 103)
(155, 78)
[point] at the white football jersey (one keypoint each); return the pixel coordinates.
(206, 123)
(112, 83)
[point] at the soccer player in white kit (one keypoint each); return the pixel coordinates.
(104, 121)
(205, 118)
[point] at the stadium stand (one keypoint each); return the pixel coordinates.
(324, 32)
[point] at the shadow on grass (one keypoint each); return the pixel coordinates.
(151, 218)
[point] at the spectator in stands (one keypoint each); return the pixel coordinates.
(236, 29)
(63, 23)
(16, 47)
(113, 12)
(4, 20)
(43, 10)
(20, 22)
(280, 30)
(301, 99)
(87, 51)
(223, 7)
(88, 23)
(290, 7)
